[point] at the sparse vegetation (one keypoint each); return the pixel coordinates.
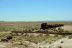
(25, 40)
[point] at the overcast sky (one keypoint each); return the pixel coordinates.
(35, 10)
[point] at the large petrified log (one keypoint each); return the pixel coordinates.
(47, 26)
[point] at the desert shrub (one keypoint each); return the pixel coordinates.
(67, 31)
(4, 40)
(61, 29)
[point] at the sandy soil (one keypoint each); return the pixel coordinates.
(67, 43)
(63, 43)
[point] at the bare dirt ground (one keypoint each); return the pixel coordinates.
(66, 43)
(5, 45)
(67, 27)
(63, 43)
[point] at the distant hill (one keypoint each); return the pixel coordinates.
(49, 22)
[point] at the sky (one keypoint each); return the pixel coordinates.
(35, 10)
